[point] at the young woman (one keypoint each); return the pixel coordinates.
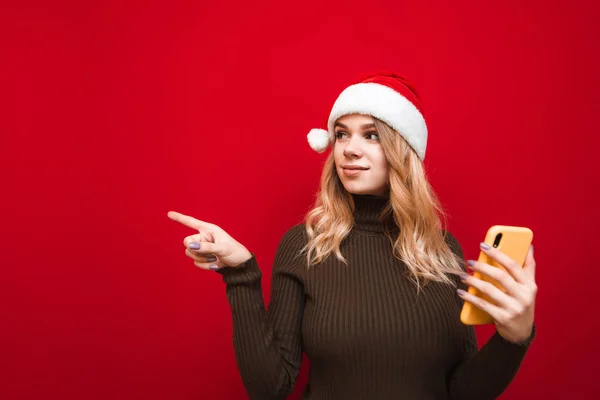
(366, 287)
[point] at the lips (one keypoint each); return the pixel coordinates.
(353, 170)
(354, 167)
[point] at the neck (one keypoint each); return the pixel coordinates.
(367, 213)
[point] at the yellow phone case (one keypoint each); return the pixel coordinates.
(514, 242)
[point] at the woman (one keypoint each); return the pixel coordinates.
(367, 286)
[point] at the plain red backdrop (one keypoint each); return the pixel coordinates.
(114, 113)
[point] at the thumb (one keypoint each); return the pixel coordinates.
(207, 236)
(218, 249)
(211, 237)
(529, 266)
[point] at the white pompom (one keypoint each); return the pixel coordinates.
(318, 139)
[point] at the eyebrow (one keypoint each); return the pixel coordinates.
(364, 126)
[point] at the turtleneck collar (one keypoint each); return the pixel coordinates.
(367, 213)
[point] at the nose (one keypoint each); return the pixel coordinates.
(352, 149)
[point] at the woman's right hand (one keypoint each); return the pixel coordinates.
(211, 248)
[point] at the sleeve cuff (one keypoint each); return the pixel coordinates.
(524, 344)
(244, 273)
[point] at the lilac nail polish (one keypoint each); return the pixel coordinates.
(214, 267)
(194, 245)
(460, 292)
(463, 276)
(470, 263)
(485, 246)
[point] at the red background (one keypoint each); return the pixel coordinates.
(115, 113)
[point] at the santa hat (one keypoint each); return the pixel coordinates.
(385, 96)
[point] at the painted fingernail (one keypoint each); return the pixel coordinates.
(470, 263)
(463, 276)
(194, 245)
(460, 292)
(211, 259)
(484, 246)
(214, 267)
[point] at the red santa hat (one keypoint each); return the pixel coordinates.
(385, 96)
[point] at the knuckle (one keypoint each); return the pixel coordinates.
(497, 276)
(485, 306)
(534, 288)
(492, 272)
(190, 254)
(514, 312)
(487, 287)
(502, 274)
(528, 302)
(188, 239)
(198, 264)
(193, 255)
(518, 311)
(207, 247)
(478, 302)
(503, 319)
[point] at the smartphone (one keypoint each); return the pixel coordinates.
(514, 241)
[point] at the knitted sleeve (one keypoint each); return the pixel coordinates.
(485, 373)
(267, 344)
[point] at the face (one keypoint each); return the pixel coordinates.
(359, 158)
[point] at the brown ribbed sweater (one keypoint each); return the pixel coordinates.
(366, 332)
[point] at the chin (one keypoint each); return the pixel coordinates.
(364, 190)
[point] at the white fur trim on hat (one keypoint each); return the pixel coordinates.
(387, 105)
(319, 140)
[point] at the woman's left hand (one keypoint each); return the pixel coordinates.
(513, 309)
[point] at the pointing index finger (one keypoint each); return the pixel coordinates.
(186, 220)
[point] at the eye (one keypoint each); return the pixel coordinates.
(338, 134)
(371, 134)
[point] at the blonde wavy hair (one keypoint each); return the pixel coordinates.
(415, 208)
